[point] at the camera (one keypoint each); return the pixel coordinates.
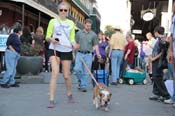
(57, 39)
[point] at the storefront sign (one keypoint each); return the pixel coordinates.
(148, 16)
(3, 40)
(137, 31)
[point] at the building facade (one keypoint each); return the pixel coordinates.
(34, 13)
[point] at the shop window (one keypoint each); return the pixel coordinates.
(4, 29)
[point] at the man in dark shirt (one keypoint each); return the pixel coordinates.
(159, 89)
(12, 54)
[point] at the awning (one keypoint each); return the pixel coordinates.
(37, 6)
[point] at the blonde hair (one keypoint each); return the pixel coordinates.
(63, 4)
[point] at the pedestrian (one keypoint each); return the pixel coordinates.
(159, 89)
(26, 37)
(61, 35)
(102, 44)
(129, 50)
(38, 39)
(12, 55)
(149, 45)
(117, 44)
(87, 40)
(171, 55)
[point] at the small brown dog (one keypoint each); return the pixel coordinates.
(101, 97)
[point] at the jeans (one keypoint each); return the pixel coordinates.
(170, 70)
(173, 97)
(142, 64)
(159, 87)
(116, 59)
(11, 59)
(81, 72)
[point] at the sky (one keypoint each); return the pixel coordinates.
(113, 12)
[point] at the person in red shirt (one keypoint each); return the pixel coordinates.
(129, 50)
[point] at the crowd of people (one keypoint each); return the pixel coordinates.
(61, 42)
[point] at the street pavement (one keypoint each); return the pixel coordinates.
(32, 100)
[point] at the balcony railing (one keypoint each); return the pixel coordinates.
(81, 5)
(95, 11)
(48, 4)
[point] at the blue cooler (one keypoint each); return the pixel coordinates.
(101, 76)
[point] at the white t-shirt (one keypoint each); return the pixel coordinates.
(148, 48)
(64, 31)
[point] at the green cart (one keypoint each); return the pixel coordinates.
(133, 77)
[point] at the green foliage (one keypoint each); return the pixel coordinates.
(109, 30)
(29, 50)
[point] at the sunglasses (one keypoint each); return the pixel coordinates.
(65, 10)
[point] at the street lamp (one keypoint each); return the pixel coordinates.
(148, 15)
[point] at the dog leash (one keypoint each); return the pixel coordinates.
(91, 75)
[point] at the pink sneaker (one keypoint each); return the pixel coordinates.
(51, 105)
(71, 99)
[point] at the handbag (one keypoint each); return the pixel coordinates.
(101, 60)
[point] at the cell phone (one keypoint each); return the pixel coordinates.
(57, 39)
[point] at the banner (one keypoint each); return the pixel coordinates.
(3, 40)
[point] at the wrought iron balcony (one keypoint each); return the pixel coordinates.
(48, 4)
(95, 12)
(81, 5)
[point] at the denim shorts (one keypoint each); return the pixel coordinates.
(61, 55)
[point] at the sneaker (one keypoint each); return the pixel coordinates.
(173, 105)
(15, 85)
(51, 105)
(79, 85)
(83, 90)
(113, 83)
(5, 86)
(161, 99)
(154, 97)
(70, 99)
(168, 101)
